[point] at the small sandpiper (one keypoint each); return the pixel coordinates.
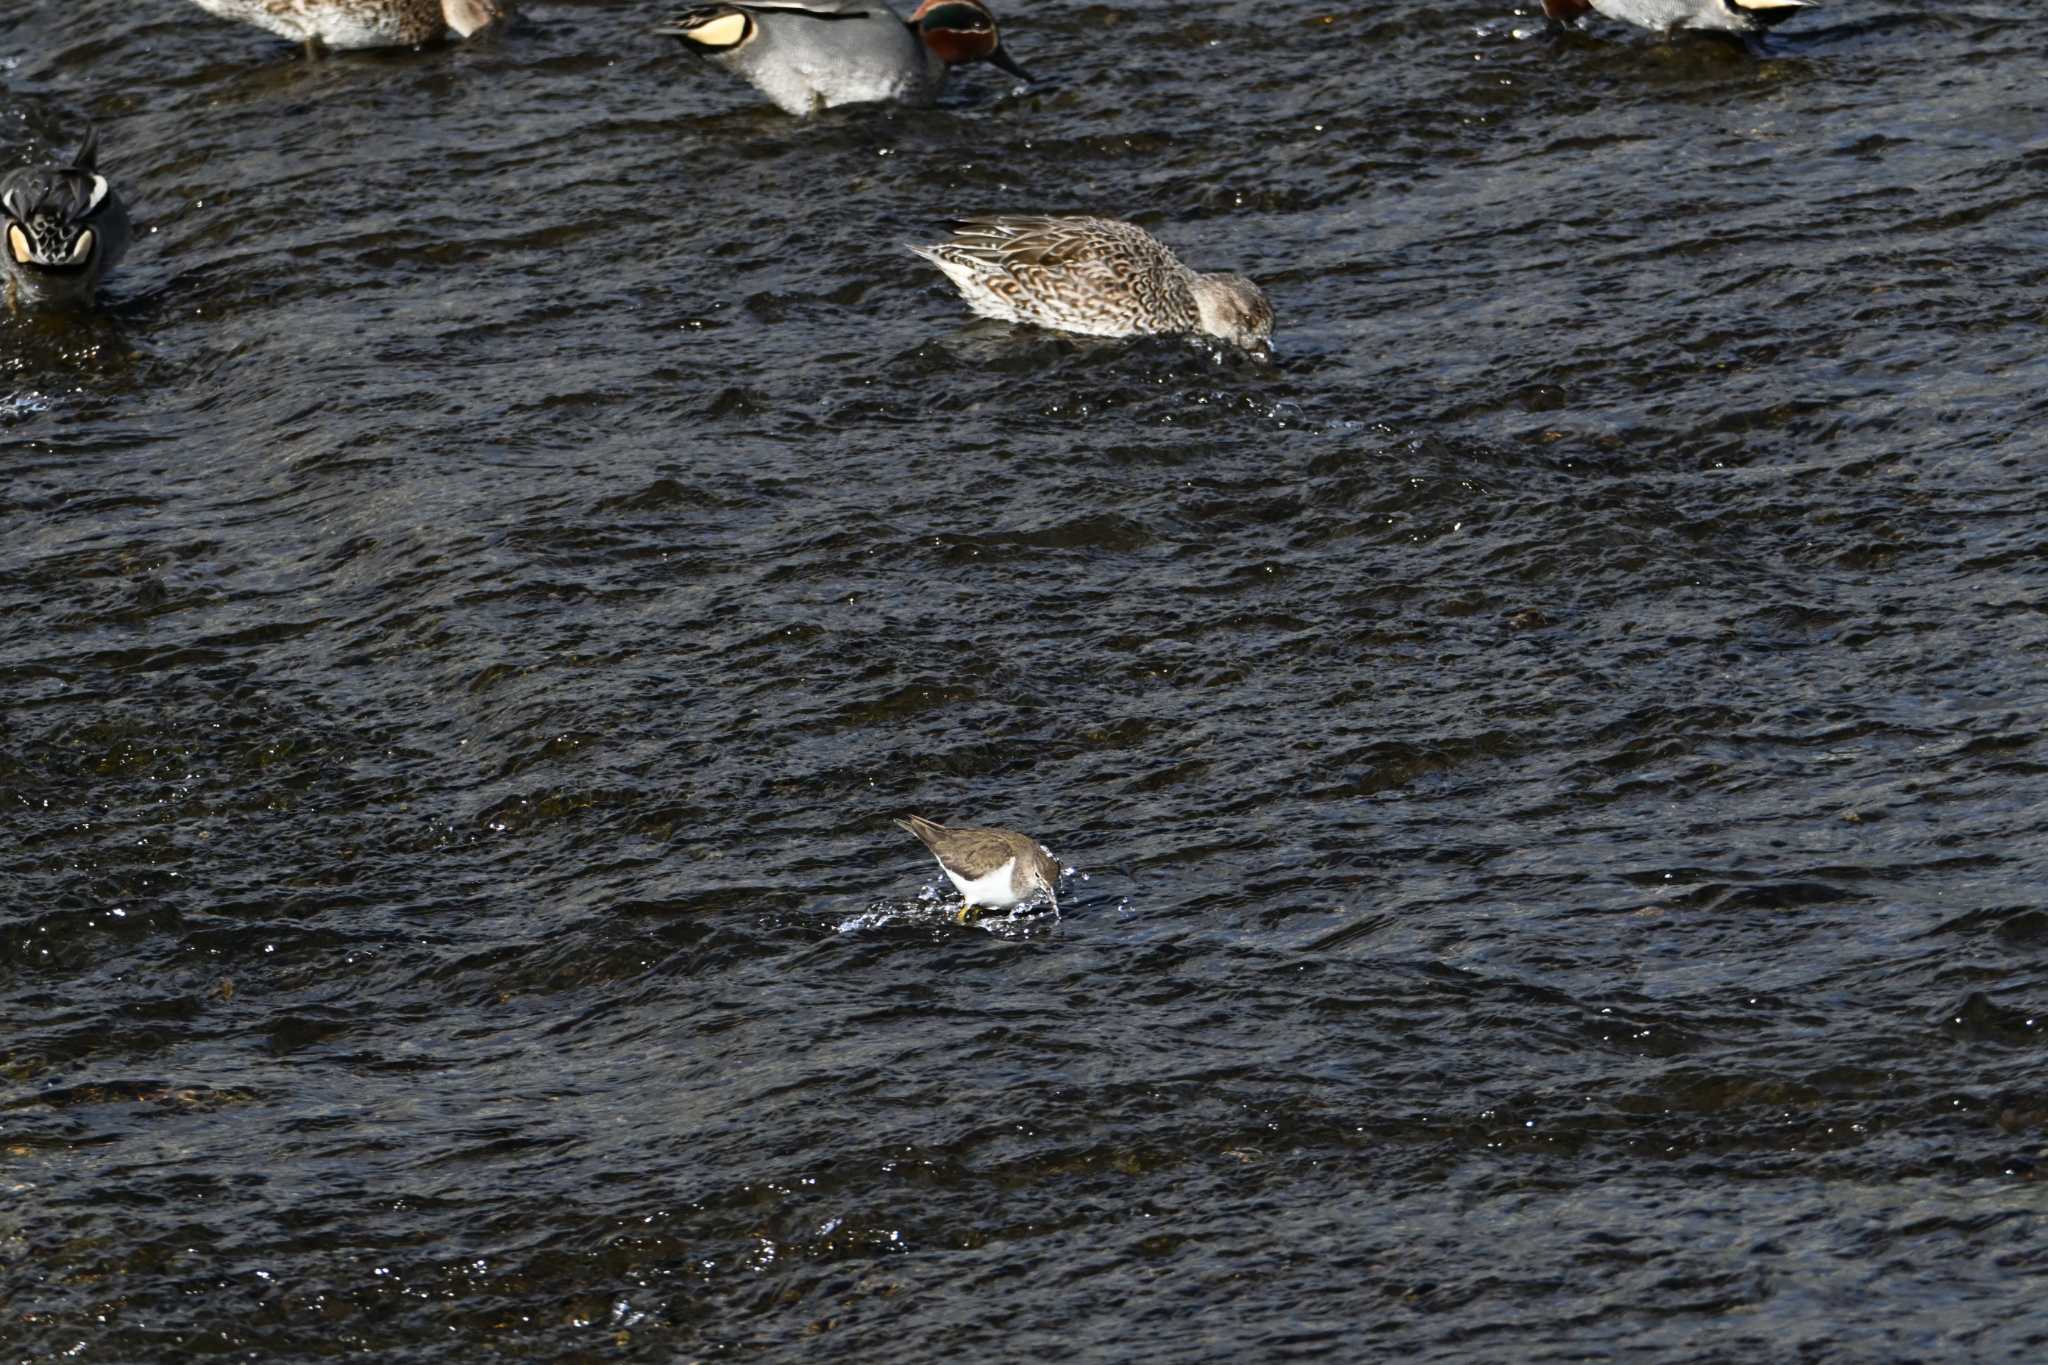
(808, 55)
(1668, 16)
(1096, 276)
(992, 868)
(355, 24)
(63, 227)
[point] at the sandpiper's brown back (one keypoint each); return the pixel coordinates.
(978, 852)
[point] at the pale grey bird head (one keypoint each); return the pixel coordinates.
(1764, 14)
(1233, 308)
(471, 16)
(62, 228)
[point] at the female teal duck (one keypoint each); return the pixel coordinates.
(1096, 276)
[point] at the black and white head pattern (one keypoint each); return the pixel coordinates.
(51, 213)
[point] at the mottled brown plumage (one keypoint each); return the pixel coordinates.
(361, 23)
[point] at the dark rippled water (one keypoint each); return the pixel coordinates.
(1553, 766)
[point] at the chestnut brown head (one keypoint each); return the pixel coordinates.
(963, 31)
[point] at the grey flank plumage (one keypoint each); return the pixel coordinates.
(808, 55)
(357, 24)
(62, 228)
(1095, 276)
(816, 54)
(973, 855)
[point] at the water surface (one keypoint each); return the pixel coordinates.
(1553, 766)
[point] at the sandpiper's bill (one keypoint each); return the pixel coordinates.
(992, 868)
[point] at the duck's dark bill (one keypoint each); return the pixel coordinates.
(1005, 62)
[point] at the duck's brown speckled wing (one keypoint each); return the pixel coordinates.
(1085, 274)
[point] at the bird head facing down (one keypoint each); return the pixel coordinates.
(62, 228)
(1235, 309)
(963, 31)
(470, 16)
(1767, 14)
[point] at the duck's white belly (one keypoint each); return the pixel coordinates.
(1669, 14)
(810, 66)
(870, 87)
(804, 90)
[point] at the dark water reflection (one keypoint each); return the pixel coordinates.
(1554, 765)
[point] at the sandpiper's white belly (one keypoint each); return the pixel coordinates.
(993, 890)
